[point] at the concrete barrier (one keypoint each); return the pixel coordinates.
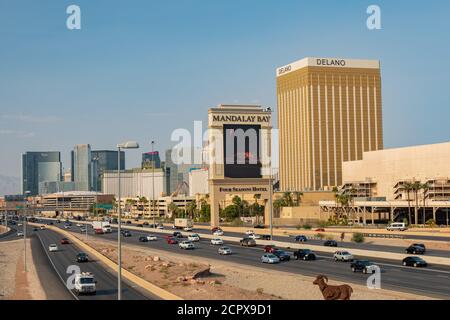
(153, 289)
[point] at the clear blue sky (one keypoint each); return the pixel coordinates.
(139, 69)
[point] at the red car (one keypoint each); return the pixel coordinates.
(270, 249)
(320, 230)
(99, 231)
(65, 241)
(172, 241)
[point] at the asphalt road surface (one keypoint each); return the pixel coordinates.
(432, 281)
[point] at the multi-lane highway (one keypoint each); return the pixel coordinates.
(54, 265)
(433, 281)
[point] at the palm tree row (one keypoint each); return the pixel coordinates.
(415, 187)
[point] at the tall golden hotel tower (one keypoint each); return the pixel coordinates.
(329, 111)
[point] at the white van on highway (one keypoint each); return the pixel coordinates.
(397, 226)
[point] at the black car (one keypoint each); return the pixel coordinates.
(35, 229)
(143, 239)
(266, 237)
(304, 254)
(114, 221)
(300, 238)
(420, 245)
(145, 223)
(330, 243)
(128, 222)
(362, 265)
(58, 221)
(282, 255)
(414, 262)
(50, 223)
(82, 257)
(415, 250)
(126, 233)
(140, 225)
(177, 234)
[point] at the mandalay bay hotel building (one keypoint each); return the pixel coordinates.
(329, 111)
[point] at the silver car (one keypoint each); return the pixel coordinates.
(343, 256)
(270, 258)
(225, 251)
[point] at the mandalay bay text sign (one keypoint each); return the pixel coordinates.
(241, 118)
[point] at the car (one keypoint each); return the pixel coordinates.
(177, 234)
(254, 236)
(249, 232)
(66, 226)
(126, 234)
(114, 221)
(100, 231)
(420, 245)
(343, 256)
(20, 234)
(414, 262)
(216, 241)
(50, 223)
(128, 222)
(415, 250)
(42, 227)
(300, 238)
(136, 219)
(270, 258)
(172, 240)
(320, 230)
(282, 255)
(65, 241)
(79, 225)
(186, 245)
(215, 229)
(224, 251)
(58, 221)
(143, 239)
(187, 229)
(397, 226)
(82, 230)
(53, 247)
(248, 242)
(85, 283)
(218, 233)
(194, 237)
(35, 229)
(160, 227)
(363, 265)
(145, 223)
(304, 254)
(266, 237)
(152, 238)
(140, 225)
(330, 243)
(82, 257)
(270, 248)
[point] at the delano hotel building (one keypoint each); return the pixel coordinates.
(329, 111)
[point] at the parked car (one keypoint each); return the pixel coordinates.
(282, 255)
(186, 245)
(270, 258)
(300, 238)
(414, 262)
(143, 239)
(172, 240)
(343, 256)
(217, 241)
(330, 243)
(53, 247)
(248, 242)
(194, 237)
(225, 251)
(82, 257)
(304, 254)
(363, 265)
(415, 250)
(65, 241)
(270, 248)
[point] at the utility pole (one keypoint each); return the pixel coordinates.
(153, 182)
(271, 205)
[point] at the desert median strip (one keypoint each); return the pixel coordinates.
(153, 289)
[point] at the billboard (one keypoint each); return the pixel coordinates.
(241, 151)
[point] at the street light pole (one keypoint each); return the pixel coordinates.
(153, 183)
(270, 205)
(25, 231)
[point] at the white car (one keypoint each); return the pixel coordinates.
(20, 234)
(42, 227)
(187, 229)
(160, 227)
(225, 251)
(343, 256)
(216, 241)
(152, 238)
(248, 232)
(19, 224)
(79, 225)
(218, 233)
(66, 226)
(53, 247)
(397, 226)
(194, 237)
(254, 236)
(186, 245)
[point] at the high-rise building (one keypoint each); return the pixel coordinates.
(329, 111)
(151, 160)
(83, 169)
(38, 167)
(105, 160)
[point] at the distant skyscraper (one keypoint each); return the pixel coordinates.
(105, 160)
(38, 167)
(329, 111)
(83, 169)
(151, 160)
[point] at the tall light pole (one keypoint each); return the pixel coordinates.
(125, 145)
(25, 231)
(271, 205)
(153, 182)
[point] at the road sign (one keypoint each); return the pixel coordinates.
(104, 206)
(20, 207)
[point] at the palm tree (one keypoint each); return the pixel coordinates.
(287, 196)
(425, 187)
(298, 194)
(191, 209)
(407, 186)
(256, 196)
(416, 186)
(173, 208)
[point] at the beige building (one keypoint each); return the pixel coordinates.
(386, 171)
(329, 111)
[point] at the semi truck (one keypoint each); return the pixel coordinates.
(105, 227)
(183, 223)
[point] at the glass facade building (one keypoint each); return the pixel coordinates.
(38, 167)
(105, 160)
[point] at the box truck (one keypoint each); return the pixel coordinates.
(183, 223)
(102, 225)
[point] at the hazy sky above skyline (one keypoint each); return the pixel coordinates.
(140, 69)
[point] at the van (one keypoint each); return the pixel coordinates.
(397, 226)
